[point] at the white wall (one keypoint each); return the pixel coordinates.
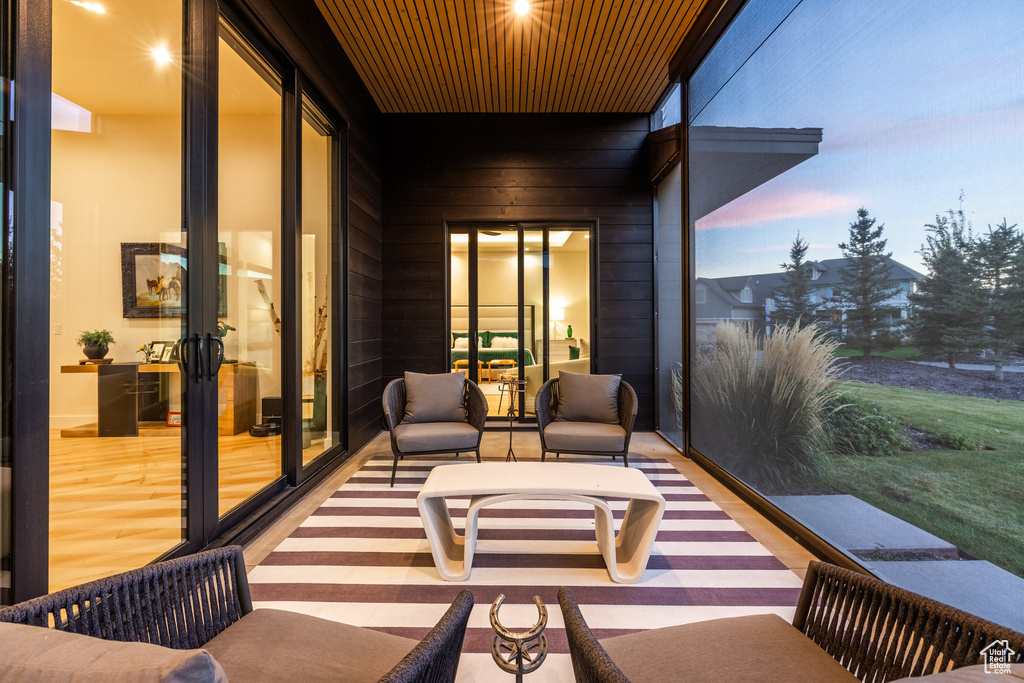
(498, 284)
(122, 183)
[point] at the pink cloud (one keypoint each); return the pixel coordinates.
(760, 207)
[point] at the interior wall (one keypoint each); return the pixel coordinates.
(505, 168)
(498, 283)
(121, 183)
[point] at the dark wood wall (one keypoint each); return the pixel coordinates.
(302, 33)
(488, 167)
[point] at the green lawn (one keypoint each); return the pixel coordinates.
(900, 353)
(970, 498)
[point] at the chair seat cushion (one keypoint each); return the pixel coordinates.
(584, 436)
(436, 436)
(763, 648)
(34, 653)
(275, 645)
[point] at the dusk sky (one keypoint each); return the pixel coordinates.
(917, 99)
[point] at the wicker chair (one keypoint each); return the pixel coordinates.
(848, 626)
(200, 600)
(394, 411)
(546, 404)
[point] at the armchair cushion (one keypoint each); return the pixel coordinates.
(762, 648)
(584, 436)
(30, 653)
(436, 436)
(588, 398)
(342, 652)
(435, 398)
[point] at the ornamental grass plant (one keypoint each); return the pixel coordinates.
(759, 402)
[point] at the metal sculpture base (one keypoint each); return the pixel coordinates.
(526, 651)
(514, 387)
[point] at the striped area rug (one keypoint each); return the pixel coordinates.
(362, 558)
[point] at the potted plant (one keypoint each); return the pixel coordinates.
(95, 344)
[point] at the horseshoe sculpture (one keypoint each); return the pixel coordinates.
(520, 659)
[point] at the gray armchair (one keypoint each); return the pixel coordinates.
(561, 435)
(410, 437)
(848, 627)
(153, 621)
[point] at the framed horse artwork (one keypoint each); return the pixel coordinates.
(154, 277)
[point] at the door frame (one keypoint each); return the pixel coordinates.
(473, 228)
(26, 288)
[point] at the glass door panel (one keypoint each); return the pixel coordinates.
(497, 270)
(118, 274)
(5, 187)
(458, 278)
(319, 430)
(569, 298)
(250, 406)
(534, 312)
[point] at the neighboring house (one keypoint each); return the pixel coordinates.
(749, 297)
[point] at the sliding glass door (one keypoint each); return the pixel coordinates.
(249, 390)
(118, 289)
(520, 307)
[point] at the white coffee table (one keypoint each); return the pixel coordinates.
(489, 483)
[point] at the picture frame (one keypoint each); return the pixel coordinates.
(154, 276)
(165, 357)
(173, 419)
(157, 350)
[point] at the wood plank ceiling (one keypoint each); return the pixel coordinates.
(419, 56)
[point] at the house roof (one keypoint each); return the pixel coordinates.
(763, 283)
(715, 291)
(468, 56)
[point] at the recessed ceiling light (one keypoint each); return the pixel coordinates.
(91, 6)
(162, 55)
(521, 7)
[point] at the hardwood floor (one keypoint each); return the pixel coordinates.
(117, 503)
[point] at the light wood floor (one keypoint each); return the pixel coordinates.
(117, 503)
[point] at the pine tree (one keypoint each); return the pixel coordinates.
(996, 254)
(793, 296)
(865, 283)
(950, 304)
(1012, 301)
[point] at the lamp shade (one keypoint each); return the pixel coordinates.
(557, 314)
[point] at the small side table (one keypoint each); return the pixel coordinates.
(504, 366)
(513, 385)
(464, 365)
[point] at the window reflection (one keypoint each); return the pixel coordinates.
(842, 213)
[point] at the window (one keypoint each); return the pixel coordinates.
(702, 294)
(746, 296)
(669, 113)
(115, 190)
(848, 142)
(669, 194)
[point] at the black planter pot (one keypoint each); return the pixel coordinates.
(94, 352)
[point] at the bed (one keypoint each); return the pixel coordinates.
(493, 321)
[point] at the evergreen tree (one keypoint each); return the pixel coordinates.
(996, 253)
(865, 282)
(793, 296)
(950, 304)
(1012, 301)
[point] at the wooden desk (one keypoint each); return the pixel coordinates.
(117, 397)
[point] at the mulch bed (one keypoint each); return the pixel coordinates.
(909, 375)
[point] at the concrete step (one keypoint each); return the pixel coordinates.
(851, 524)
